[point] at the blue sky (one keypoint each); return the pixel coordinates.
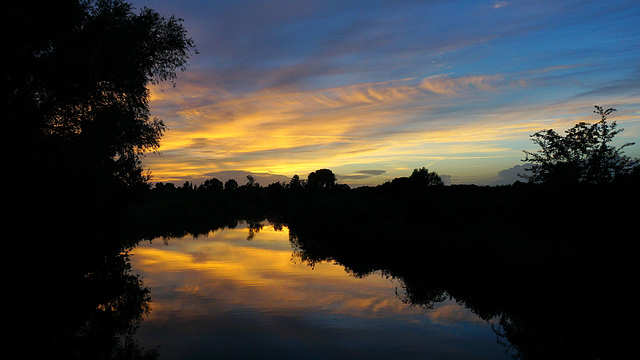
(374, 89)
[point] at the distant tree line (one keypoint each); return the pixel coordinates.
(319, 180)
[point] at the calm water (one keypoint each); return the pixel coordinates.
(240, 294)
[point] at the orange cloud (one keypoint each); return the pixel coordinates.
(285, 131)
(445, 85)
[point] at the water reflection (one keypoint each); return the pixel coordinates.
(77, 299)
(548, 296)
(265, 289)
(243, 293)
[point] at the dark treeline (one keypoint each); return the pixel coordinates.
(165, 204)
(420, 197)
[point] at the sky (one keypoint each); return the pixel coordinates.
(375, 89)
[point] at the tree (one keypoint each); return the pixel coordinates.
(74, 89)
(583, 155)
(252, 183)
(230, 185)
(419, 179)
(321, 179)
(423, 177)
(295, 183)
(211, 185)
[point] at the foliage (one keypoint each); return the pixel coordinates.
(251, 183)
(75, 87)
(419, 179)
(321, 179)
(230, 185)
(296, 183)
(583, 155)
(423, 177)
(212, 185)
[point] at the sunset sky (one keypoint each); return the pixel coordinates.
(375, 89)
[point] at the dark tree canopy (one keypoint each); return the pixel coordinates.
(251, 183)
(74, 90)
(296, 183)
(583, 155)
(211, 185)
(230, 185)
(419, 179)
(321, 179)
(423, 177)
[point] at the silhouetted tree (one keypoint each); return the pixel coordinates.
(341, 187)
(165, 186)
(211, 185)
(420, 178)
(188, 186)
(296, 183)
(321, 179)
(230, 185)
(582, 155)
(74, 88)
(251, 182)
(423, 177)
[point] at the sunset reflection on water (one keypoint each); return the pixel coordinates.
(226, 295)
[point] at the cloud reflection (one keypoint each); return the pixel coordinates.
(224, 295)
(187, 274)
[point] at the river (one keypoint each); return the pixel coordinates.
(247, 293)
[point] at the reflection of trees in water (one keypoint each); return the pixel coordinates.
(112, 302)
(80, 293)
(78, 300)
(254, 228)
(549, 294)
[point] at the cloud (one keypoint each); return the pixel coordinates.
(499, 4)
(290, 87)
(511, 175)
(445, 85)
(627, 84)
(286, 132)
(371, 172)
(360, 175)
(281, 131)
(452, 314)
(253, 272)
(446, 179)
(346, 178)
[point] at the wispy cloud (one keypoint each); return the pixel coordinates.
(284, 87)
(288, 132)
(446, 85)
(499, 4)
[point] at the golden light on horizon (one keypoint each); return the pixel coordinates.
(374, 125)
